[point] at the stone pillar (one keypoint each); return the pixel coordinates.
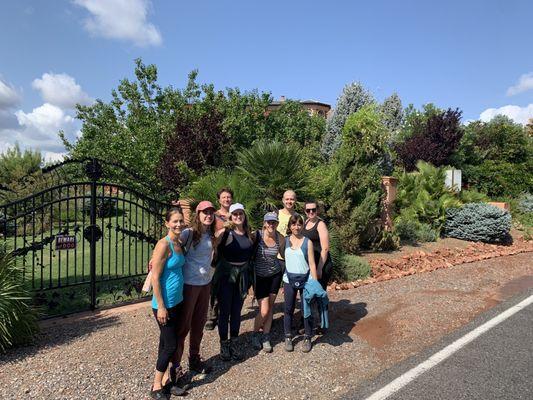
(389, 185)
(185, 205)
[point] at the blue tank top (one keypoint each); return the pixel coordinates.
(171, 279)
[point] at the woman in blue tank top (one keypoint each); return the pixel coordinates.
(167, 283)
(299, 265)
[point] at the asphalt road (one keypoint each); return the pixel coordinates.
(496, 365)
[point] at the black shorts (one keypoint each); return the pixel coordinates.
(265, 286)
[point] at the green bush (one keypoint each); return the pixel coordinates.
(411, 231)
(406, 229)
(425, 233)
(525, 203)
(473, 196)
(478, 222)
(18, 320)
(352, 268)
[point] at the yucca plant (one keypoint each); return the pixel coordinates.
(18, 320)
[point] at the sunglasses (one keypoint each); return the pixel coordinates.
(308, 210)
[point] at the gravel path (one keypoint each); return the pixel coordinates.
(111, 355)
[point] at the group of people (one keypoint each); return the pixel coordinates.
(208, 269)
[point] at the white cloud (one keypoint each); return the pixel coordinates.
(518, 114)
(121, 19)
(61, 90)
(524, 84)
(39, 128)
(9, 96)
(53, 157)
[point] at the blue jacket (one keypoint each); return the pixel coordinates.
(313, 290)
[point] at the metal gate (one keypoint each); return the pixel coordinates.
(82, 239)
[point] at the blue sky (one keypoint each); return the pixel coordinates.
(475, 55)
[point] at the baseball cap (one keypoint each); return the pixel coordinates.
(271, 216)
(204, 205)
(235, 207)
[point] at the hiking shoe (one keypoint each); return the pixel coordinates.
(267, 347)
(236, 352)
(174, 390)
(288, 344)
(306, 345)
(225, 352)
(256, 341)
(210, 325)
(196, 364)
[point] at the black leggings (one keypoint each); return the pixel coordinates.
(168, 338)
(290, 303)
(230, 305)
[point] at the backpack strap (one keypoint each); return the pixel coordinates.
(305, 248)
(282, 245)
(188, 242)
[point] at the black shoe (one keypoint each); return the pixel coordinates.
(225, 352)
(210, 325)
(158, 394)
(196, 364)
(173, 389)
(236, 352)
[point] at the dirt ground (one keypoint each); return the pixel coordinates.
(111, 355)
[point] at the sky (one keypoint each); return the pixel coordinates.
(475, 55)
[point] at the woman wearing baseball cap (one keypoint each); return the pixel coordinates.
(231, 280)
(267, 278)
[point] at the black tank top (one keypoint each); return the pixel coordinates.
(313, 236)
(239, 250)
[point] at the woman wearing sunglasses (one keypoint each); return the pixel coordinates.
(317, 232)
(231, 279)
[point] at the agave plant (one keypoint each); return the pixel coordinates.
(18, 320)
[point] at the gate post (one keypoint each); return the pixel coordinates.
(94, 171)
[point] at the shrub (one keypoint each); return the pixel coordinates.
(406, 229)
(18, 320)
(473, 196)
(353, 268)
(425, 233)
(478, 222)
(412, 231)
(386, 241)
(525, 203)
(105, 207)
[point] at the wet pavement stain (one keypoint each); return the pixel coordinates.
(377, 331)
(510, 289)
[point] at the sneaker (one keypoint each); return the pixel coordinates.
(306, 346)
(225, 352)
(176, 382)
(196, 364)
(256, 341)
(267, 347)
(288, 344)
(235, 349)
(210, 325)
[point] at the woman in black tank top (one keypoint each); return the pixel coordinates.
(230, 282)
(316, 231)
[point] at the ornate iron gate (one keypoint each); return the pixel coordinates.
(82, 239)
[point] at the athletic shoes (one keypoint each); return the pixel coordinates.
(306, 345)
(267, 346)
(288, 344)
(210, 325)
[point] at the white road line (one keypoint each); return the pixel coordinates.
(435, 359)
